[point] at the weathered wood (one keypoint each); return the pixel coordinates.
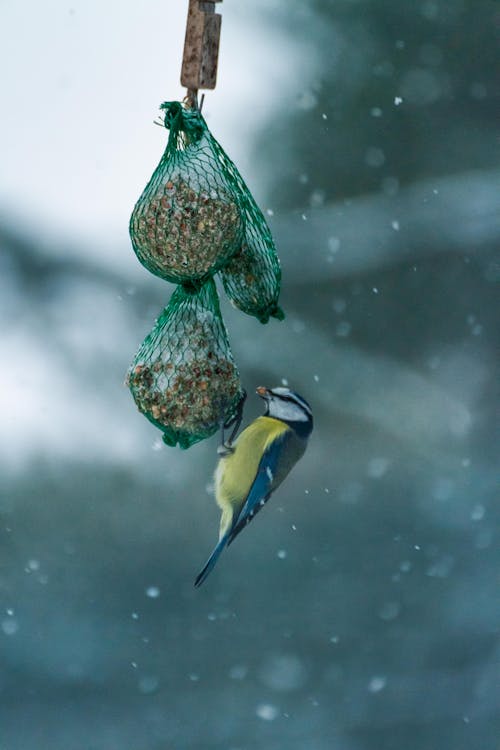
(201, 46)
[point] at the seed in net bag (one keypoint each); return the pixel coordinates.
(252, 277)
(183, 378)
(187, 222)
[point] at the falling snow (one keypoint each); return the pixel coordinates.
(389, 611)
(10, 626)
(377, 684)
(267, 711)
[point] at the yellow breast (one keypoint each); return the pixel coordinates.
(235, 473)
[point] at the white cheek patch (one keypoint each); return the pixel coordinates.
(300, 416)
(287, 411)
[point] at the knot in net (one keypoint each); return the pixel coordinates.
(183, 378)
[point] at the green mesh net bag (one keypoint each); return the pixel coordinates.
(183, 378)
(252, 277)
(188, 221)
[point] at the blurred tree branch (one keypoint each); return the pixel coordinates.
(455, 214)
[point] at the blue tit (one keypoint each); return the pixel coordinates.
(249, 471)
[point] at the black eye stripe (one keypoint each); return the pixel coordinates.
(286, 398)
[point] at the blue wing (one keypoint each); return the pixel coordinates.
(262, 486)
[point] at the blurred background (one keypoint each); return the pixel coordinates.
(360, 611)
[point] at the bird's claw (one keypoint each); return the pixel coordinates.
(238, 415)
(224, 450)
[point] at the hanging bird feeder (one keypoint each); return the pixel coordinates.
(196, 218)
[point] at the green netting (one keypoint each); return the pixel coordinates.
(196, 216)
(252, 277)
(183, 378)
(188, 221)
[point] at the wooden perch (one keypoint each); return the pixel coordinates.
(201, 47)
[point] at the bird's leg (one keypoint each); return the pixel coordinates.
(236, 420)
(225, 447)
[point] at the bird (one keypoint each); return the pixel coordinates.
(252, 468)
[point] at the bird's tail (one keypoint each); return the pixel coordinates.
(211, 561)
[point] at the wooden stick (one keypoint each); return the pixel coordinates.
(201, 47)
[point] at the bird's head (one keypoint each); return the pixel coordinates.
(283, 403)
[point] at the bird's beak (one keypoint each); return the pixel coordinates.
(262, 391)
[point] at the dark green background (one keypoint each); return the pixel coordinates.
(360, 611)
